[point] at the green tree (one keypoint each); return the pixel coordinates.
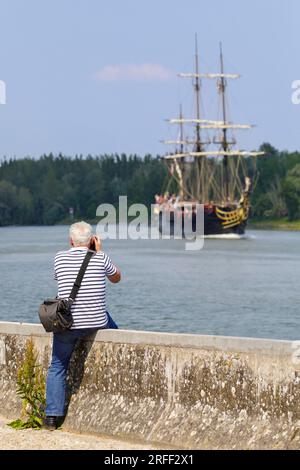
(291, 192)
(8, 202)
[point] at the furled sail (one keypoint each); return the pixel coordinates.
(215, 153)
(209, 75)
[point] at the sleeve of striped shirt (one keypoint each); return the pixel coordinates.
(110, 268)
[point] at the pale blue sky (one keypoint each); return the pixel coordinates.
(54, 55)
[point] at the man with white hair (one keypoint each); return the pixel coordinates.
(88, 310)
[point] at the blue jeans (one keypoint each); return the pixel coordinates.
(63, 347)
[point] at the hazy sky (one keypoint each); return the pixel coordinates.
(93, 76)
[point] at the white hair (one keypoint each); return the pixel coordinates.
(81, 233)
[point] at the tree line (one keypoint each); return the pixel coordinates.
(42, 191)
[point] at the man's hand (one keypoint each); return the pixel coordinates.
(98, 244)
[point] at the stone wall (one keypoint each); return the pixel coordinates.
(184, 391)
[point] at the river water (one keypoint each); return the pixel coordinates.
(247, 287)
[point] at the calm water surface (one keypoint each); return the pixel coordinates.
(246, 287)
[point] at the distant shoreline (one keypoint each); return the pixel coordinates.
(280, 224)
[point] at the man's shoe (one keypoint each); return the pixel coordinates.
(49, 423)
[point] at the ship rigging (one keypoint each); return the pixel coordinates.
(211, 171)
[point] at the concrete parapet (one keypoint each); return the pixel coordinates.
(188, 391)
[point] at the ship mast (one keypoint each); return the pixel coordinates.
(199, 177)
(225, 144)
(181, 167)
(197, 93)
(199, 191)
(181, 129)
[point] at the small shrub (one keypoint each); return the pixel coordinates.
(31, 386)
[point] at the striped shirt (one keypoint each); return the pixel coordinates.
(89, 307)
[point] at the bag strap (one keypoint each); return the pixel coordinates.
(80, 275)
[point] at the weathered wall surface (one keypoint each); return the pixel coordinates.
(187, 391)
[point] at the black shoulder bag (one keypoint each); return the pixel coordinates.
(55, 314)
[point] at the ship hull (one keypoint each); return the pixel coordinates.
(213, 226)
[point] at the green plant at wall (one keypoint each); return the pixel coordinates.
(31, 389)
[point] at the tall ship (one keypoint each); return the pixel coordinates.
(207, 167)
